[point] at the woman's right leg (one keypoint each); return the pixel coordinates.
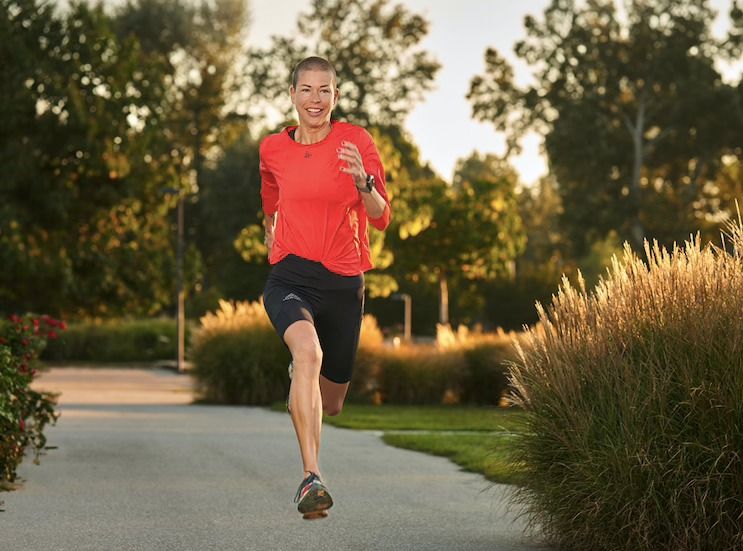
(306, 400)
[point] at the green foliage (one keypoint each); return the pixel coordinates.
(470, 231)
(23, 412)
(103, 114)
(116, 340)
(633, 442)
(229, 196)
(635, 115)
(82, 226)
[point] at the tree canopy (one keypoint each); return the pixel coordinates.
(635, 114)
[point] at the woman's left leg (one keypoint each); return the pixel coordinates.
(338, 329)
(333, 395)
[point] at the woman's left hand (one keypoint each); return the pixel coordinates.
(351, 154)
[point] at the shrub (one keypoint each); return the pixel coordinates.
(463, 367)
(421, 374)
(636, 432)
(239, 359)
(116, 340)
(237, 356)
(23, 412)
(366, 372)
(486, 356)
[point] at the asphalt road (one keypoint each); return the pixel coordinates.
(138, 468)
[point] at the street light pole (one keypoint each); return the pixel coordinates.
(407, 299)
(180, 312)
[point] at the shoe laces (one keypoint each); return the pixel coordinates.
(311, 478)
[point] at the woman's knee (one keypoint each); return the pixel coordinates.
(332, 409)
(307, 353)
(303, 344)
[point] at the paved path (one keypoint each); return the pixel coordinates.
(138, 468)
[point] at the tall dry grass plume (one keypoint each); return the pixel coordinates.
(636, 393)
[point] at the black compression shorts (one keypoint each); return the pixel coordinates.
(300, 289)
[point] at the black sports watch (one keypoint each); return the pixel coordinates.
(370, 181)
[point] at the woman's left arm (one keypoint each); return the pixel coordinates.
(375, 202)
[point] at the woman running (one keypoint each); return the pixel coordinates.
(321, 181)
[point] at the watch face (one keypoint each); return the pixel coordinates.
(370, 182)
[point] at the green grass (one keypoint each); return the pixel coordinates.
(486, 453)
(392, 417)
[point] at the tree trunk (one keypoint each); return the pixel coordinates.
(443, 300)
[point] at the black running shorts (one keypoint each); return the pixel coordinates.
(300, 289)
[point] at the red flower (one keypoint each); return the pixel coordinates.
(51, 322)
(52, 335)
(25, 342)
(14, 318)
(22, 425)
(62, 325)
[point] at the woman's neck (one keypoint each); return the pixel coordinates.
(308, 136)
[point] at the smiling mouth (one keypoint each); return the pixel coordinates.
(314, 111)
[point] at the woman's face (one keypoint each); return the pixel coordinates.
(314, 98)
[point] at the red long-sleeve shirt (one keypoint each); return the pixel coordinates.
(321, 215)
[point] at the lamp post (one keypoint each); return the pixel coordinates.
(180, 316)
(405, 297)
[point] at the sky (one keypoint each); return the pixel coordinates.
(459, 33)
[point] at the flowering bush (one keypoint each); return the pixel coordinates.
(23, 412)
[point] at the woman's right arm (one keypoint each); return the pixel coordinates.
(269, 224)
(269, 198)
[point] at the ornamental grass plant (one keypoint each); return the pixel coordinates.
(237, 357)
(635, 394)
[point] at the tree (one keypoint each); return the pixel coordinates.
(634, 113)
(381, 71)
(197, 46)
(470, 231)
(82, 229)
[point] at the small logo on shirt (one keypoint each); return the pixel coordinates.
(291, 296)
(307, 155)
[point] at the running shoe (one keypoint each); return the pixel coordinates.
(291, 374)
(313, 499)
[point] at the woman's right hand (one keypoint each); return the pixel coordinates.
(268, 241)
(269, 224)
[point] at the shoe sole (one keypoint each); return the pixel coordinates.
(317, 515)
